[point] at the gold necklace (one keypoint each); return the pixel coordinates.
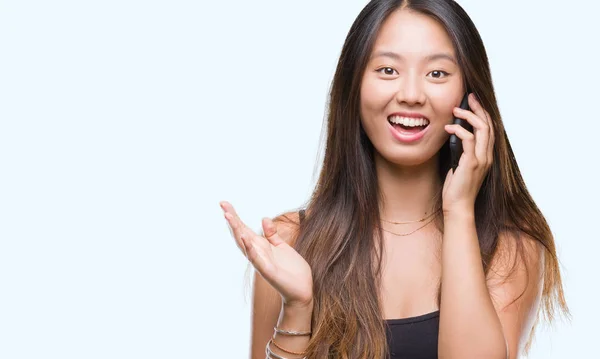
(409, 233)
(419, 220)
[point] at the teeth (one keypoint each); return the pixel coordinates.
(409, 121)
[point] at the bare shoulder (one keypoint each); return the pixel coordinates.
(515, 282)
(288, 226)
(516, 252)
(266, 301)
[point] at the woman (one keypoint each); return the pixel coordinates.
(397, 255)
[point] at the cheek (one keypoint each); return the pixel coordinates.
(443, 103)
(375, 93)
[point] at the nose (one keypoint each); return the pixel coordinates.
(410, 90)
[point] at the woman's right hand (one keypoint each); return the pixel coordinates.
(276, 261)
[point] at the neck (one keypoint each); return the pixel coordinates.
(408, 192)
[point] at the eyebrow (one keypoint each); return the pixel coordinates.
(399, 57)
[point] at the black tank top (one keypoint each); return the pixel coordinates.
(413, 337)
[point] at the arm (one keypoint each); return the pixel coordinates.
(515, 285)
(477, 321)
(269, 311)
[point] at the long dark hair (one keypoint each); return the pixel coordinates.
(342, 215)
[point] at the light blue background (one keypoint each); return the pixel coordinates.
(124, 123)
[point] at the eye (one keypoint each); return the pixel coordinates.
(386, 72)
(437, 74)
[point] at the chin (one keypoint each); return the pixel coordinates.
(408, 158)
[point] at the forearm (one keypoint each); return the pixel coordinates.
(469, 325)
(292, 319)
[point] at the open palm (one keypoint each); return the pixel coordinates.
(276, 261)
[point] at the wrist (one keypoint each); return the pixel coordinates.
(299, 307)
(459, 213)
(298, 318)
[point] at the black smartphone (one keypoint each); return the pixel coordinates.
(456, 148)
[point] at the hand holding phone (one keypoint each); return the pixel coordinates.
(456, 147)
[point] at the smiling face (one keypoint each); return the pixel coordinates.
(413, 72)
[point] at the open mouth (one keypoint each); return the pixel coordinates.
(408, 125)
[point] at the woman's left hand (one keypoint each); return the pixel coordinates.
(461, 186)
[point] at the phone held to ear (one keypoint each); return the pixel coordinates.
(456, 147)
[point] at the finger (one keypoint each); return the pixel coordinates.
(270, 232)
(492, 140)
(227, 217)
(256, 255)
(480, 130)
(482, 113)
(240, 227)
(477, 109)
(250, 251)
(237, 238)
(243, 247)
(477, 122)
(252, 245)
(235, 222)
(468, 143)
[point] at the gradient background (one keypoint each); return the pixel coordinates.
(124, 123)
